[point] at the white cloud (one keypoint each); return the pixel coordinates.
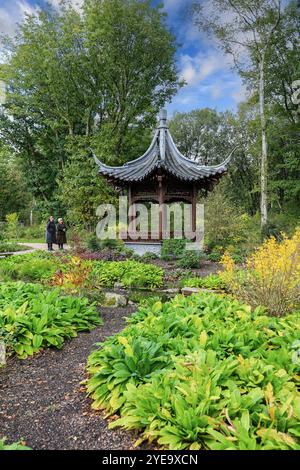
(240, 93)
(76, 4)
(13, 13)
(195, 70)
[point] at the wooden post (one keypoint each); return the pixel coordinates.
(194, 210)
(160, 201)
(132, 213)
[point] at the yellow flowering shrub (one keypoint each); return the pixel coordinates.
(271, 277)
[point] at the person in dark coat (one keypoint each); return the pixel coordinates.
(50, 233)
(61, 236)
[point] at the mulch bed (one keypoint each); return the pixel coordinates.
(43, 403)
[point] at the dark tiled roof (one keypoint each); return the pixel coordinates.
(163, 154)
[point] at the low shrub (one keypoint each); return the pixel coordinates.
(128, 273)
(213, 281)
(14, 446)
(191, 259)
(74, 275)
(271, 277)
(29, 267)
(172, 249)
(95, 244)
(149, 256)
(6, 247)
(32, 318)
(104, 255)
(203, 372)
(215, 256)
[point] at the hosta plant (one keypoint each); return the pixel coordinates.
(32, 318)
(203, 372)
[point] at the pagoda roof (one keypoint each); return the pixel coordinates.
(162, 154)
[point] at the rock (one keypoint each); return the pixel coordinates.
(118, 285)
(132, 304)
(173, 290)
(190, 290)
(111, 299)
(196, 290)
(2, 353)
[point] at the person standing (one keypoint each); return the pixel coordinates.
(61, 236)
(50, 233)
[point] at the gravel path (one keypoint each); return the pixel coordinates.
(38, 246)
(42, 401)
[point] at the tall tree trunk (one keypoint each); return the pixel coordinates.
(264, 145)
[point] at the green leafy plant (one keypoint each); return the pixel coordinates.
(190, 259)
(149, 256)
(172, 249)
(213, 281)
(14, 446)
(32, 318)
(220, 375)
(11, 229)
(215, 256)
(128, 273)
(29, 267)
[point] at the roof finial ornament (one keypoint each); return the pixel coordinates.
(163, 118)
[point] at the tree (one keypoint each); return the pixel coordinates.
(245, 27)
(101, 76)
(14, 196)
(208, 136)
(203, 135)
(80, 188)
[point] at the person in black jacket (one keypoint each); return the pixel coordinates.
(50, 233)
(61, 233)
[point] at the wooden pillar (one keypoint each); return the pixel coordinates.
(194, 208)
(161, 197)
(132, 210)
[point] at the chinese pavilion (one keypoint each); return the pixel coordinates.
(162, 176)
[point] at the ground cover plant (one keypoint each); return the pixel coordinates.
(10, 247)
(32, 318)
(213, 281)
(127, 273)
(14, 446)
(203, 372)
(37, 266)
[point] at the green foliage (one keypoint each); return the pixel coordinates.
(128, 273)
(80, 188)
(32, 318)
(14, 196)
(213, 281)
(172, 249)
(6, 247)
(95, 244)
(108, 72)
(215, 256)
(11, 229)
(190, 259)
(149, 256)
(29, 267)
(224, 225)
(225, 377)
(14, 446)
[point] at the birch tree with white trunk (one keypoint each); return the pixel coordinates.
(245, 29)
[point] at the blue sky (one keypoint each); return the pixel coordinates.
(211, 82)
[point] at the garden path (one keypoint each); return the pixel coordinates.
(37, 246)
(43, 402)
